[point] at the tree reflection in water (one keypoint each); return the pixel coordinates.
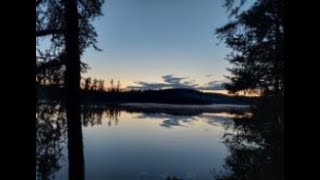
(51, 134)
(256, 146)
(50, 139)
(92, 115)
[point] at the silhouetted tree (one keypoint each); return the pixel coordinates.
(51, 133)
(50, 22)
(49, 71)
(101, 85)
(256, 144)
(87, 83)
(256, 36)
(50, 138)
(91, 115)
(111, 86)
(114, 88)
(68, 24)
(113, 113)
(72, 82)
(51, 26)
(94, 84)
(118, 88)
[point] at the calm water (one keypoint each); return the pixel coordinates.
(121, 145)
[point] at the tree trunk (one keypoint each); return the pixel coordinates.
(278, 38)
(277, 60)
(72, 82)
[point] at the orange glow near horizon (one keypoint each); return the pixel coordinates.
(124, 84)
(225, 92)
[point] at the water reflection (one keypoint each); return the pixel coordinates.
(256, 145)
(93, 115)
(138, 130)
(50, 140)
(51, 135)
(158, 145)
(169, 120)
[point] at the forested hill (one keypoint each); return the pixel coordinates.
(166, 96)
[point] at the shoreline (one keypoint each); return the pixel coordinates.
(206, 107)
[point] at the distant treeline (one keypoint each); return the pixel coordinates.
(98, 85)
(167, 96)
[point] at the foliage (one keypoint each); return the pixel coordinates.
(256, 36)
(50, 37)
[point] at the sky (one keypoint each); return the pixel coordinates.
(160, 44)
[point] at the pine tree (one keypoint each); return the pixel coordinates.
(256, 36)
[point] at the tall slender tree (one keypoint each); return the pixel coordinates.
(68, 24)
(87, 83)
(101, 85)
(72, 82)
(118, 89)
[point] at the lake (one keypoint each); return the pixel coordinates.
(123, 144)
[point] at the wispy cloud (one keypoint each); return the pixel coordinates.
(171, 81)
(213, 85)
(147, 86)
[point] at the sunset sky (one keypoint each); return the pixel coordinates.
(160, 43)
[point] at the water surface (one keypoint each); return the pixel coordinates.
(120, 145)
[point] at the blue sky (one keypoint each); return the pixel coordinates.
(146, 40)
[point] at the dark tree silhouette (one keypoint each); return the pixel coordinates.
(111, 86)
(101, 85)
(68, 24)
(256, 146)
(114, 88)
(94, 86)
(50, 22)
(256, 37)
(92, 115)
(87, 83)
(118, 88)
(51, 26)
(72, 82)
(50, 137)
(51, 134)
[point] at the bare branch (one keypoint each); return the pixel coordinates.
(47, 32)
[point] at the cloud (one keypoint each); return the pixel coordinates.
(168, 120)
(146, 86)
(213, 85)
(170, 81)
